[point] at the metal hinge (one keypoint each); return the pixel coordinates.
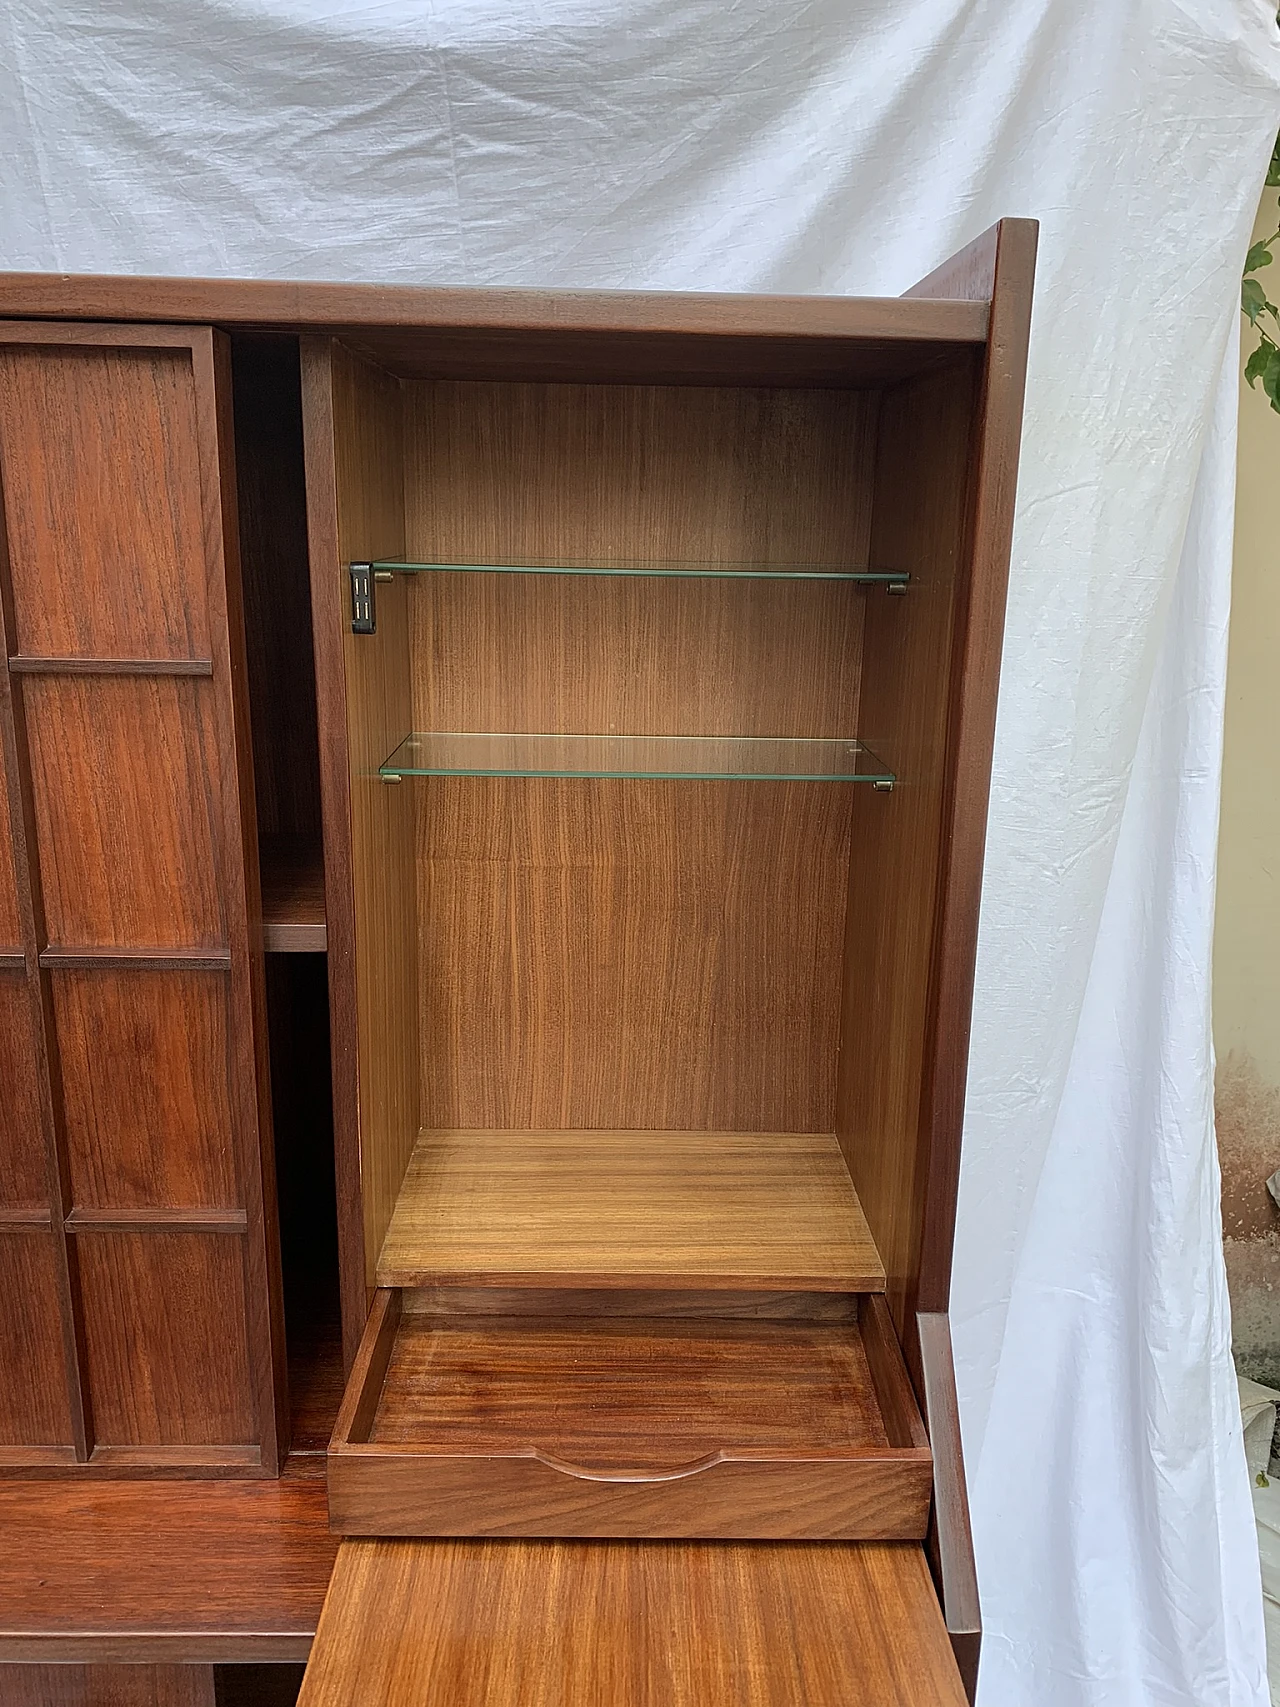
(363, 616)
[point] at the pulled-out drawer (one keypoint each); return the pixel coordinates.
(595, 1422)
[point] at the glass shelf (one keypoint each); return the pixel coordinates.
(698, 757)
(388, 566)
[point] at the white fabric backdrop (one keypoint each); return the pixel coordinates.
(848, 146)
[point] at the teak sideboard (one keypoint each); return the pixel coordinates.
(495, 786)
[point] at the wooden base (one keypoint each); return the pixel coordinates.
(107, 1686)
(162, 1572)
(545, 1624)
(629, 1426)
(761, 1210)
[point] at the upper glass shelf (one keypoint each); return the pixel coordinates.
(387, 566)
(697, 757)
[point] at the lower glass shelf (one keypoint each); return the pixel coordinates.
(696, 757)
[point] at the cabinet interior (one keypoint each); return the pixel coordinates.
(641, 1005)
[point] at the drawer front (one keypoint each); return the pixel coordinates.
(630, 1426)
(134, 1196)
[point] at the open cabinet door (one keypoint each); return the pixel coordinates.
(139, 1297)
(650, 1624)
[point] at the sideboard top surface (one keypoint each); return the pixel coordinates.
(606, 336)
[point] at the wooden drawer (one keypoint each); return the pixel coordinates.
(630, 1425)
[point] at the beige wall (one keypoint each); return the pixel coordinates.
(1246, 960)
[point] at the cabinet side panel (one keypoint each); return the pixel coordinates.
(355, 480)
(926, 428)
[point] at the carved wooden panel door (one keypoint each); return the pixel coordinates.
(140, 1326)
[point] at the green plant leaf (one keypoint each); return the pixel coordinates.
(1273, 170)
(1271, 376)
(1256, 365)
(1258, 256)
(1253, 299)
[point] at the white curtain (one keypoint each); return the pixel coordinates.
(848, 146)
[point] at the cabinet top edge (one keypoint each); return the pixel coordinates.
(293, 306)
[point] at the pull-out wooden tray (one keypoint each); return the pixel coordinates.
(630, 1624)
(617, 1424)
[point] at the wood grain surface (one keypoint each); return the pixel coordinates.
(926, 430)
(765, 1209)
(24, 1178)
(328, 306)
(623, 1426)
(950, 1535)
(163, 1571)
(592, 472)
(10, 917)
(669, 987)
(162, 1302)
(484, 1624)
(34, 1407)
(271, 502)
(627, 1393)
(293, 910)
(355, 499)
(141, 914)
(875, 1495)
(146, 1110)
(606, 954)
(105, 522)
(1012, 255)
(107, 1686)
(128, 848)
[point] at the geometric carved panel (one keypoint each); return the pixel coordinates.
(165, 1329)
(144, 1088)
(105, 532)
(24, 1177)
(33, 1393)
(10, 925)
(126, 779)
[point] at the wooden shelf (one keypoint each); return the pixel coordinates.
(775, 1427)
(470, 1624)
(293, 915)
(756, 1210)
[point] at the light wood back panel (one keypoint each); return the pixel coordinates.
(633, 954)
(633, 471)
(355, 483)
(926, 429)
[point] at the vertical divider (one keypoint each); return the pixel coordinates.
(238, 849)
(31, 913)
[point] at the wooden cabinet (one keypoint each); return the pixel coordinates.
(488, 904)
